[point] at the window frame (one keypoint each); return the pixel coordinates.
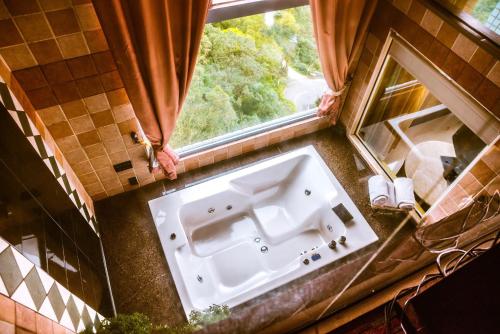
(394, 40)
(230, 10)
(466, 24)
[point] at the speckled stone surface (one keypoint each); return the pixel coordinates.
(138, 269)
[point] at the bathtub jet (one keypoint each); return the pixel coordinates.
(249, 231)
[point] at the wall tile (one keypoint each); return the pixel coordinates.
(104, 62)
(57, 72)
(114, 145)
(437, 53)
(17, 57)
(54, 4)
(96, 40)
(74, 108)
(447, 35)
(464, 47)
(4, 12)
(95, 150)
(488, 94)
(76, 156)
(82, 67)
(60, 130)
(482, 173)
(10, 35)
(453, 65)
(25, 318)
(469, 79)
(87, 17)
(83, 168)
(33, 27)
(100, 162)
(63, 22)
(117, 97)
(42, 98)
(31, 78)
(46, 51)
(126, 127)
(89, 138)
(431, 23)
(402, 5)
(123, 112)
(482, 61)
(119, 157)
(7, 328)
(43, 325)
(68, 144)
(106, 173)
(72, 45)
(111, 81)
(97, 103)
(89, 178)
(7, 309)
(494, 73)
(416, 11)
(109, 132)
(89, 86)
(81, 124)
(66, 92)
(52, 115)
(103, 118)
(23, 7)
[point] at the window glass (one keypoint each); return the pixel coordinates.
(251, 70)
(413, 134)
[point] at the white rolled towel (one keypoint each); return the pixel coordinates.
(378, 190)
(405, 198)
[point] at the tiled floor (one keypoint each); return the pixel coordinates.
(138, 269)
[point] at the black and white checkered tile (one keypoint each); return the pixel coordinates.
(29, 285)
(9, 101)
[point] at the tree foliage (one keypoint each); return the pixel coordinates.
(241, 73)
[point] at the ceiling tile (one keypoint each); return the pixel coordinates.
(17, 7)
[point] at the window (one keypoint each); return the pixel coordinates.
(251, 70)
(482, 16)
(418, 124)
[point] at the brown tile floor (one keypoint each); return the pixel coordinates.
(139, 273)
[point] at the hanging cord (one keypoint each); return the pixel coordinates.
(487, 214)
(444, 270)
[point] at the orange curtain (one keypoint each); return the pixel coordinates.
(340, 28)
(155, 44)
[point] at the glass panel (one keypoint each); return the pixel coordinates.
(413, 134)
(485, 11)
(251, 70)
(55, 253)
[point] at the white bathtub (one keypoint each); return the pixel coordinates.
(234, 237)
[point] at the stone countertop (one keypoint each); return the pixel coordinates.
(139, 273)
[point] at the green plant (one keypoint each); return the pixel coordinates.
(138, 323)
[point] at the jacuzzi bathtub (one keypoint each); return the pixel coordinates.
(234, 237)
